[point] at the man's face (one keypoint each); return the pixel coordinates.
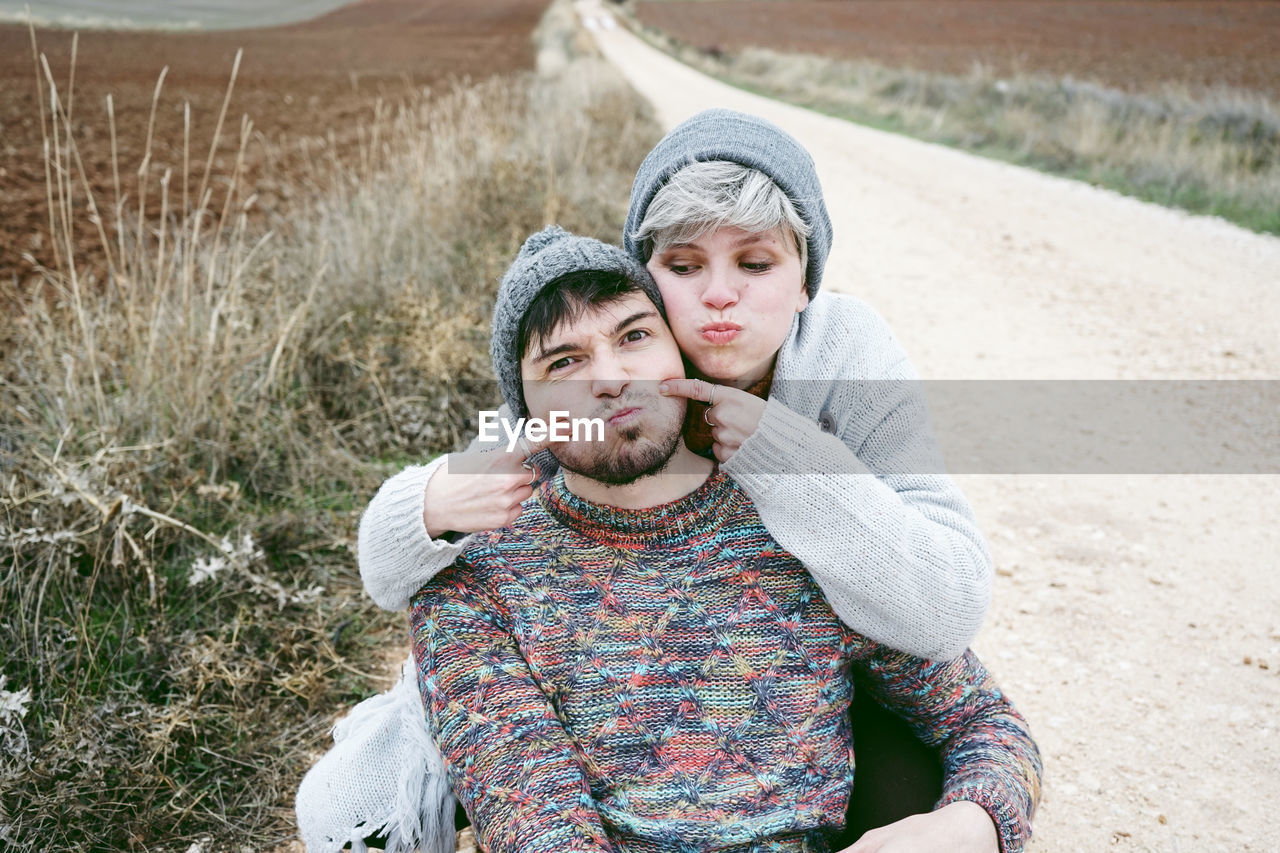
(607, 364)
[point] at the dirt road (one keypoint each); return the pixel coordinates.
(1136, 619)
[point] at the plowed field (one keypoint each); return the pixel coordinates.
(1125, 43)
(301, 80)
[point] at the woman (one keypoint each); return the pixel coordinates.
(727, 215)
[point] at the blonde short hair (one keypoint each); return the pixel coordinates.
(712, 194)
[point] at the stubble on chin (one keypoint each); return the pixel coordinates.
(636, 453)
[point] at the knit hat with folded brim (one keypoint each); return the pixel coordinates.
(545, 257)
(749, 141)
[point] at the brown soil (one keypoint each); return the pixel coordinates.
(1126, 43)
(302, 80)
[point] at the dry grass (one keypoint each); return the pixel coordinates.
(1215, 152)
(189, 430)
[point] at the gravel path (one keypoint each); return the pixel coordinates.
(1136, 618)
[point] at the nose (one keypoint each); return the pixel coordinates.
(608, 375)
(721, 289)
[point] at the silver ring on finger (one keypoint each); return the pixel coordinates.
(711, 398)
(706, 416)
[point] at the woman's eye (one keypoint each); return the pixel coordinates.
(757, 266)
(680, 269)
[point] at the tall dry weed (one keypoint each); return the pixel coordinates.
(189, 428)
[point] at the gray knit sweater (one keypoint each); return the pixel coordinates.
(843, 470)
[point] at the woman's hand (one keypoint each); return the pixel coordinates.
(480, 489)
(732, 414)
(961, 827)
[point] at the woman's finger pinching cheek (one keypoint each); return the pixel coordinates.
(693, 389)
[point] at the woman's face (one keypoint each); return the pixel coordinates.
(730, 296)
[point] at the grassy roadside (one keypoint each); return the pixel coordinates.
(1206, 152)
(189, 431)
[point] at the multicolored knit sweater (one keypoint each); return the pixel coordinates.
(671, 680)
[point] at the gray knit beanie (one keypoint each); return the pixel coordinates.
(750, 141)
(545, 257)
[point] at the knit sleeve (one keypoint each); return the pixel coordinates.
(988, 755)
(509, 758)
(888, 536)
(395, 554)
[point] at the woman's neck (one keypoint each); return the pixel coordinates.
(756, 382)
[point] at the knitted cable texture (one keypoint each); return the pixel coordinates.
(671, 679)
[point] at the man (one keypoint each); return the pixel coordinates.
(635, 664)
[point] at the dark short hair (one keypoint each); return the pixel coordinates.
(567, 298)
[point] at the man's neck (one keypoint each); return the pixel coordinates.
(685, 471)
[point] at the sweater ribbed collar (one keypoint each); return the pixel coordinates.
(698, 512)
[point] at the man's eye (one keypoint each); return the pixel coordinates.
(635, 335)
(559, 364)
(757, 266)
(681, 269)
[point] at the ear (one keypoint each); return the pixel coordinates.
(803, 301)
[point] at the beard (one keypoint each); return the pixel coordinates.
(637, 450)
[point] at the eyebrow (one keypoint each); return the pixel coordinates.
(752, 238)
(746, 239)
(570, 346)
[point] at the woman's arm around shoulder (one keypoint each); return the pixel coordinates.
(420, 520)
(395, 553)
(847, 476)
